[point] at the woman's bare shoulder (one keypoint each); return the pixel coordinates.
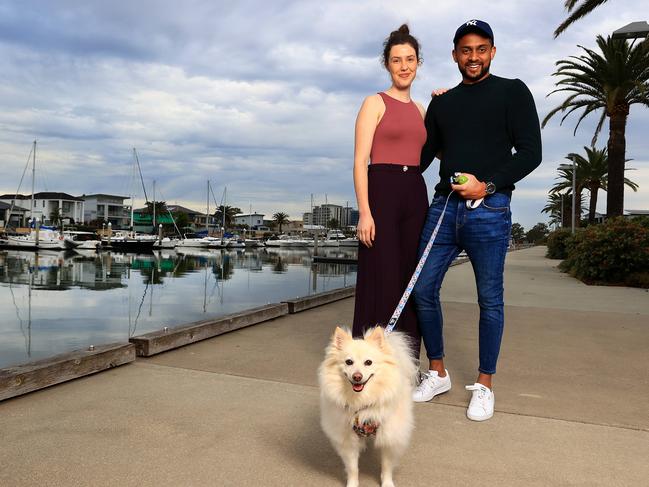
(373, 101)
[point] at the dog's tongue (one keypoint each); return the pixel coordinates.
(358, 387)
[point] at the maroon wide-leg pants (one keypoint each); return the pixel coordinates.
(399, 203)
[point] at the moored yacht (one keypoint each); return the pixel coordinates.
(286, 241)
(43, 238)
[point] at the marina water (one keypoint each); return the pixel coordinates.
(53, 302)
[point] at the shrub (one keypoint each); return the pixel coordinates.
(614, 252)
(558, 243)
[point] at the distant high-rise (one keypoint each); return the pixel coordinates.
(323, 214)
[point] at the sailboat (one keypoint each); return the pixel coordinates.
(194, 241)
(39, 237)
(130, 241)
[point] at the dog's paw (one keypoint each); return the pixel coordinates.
(354, 483)
(387, 483)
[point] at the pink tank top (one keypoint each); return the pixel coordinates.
(400, 134)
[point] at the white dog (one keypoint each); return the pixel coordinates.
(366, 390)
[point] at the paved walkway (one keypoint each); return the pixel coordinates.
(242, 409)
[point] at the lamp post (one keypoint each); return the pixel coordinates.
(572, 168)
(634, 30)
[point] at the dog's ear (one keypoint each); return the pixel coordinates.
(340, 337)
(376, 336)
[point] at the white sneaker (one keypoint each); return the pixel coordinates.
(482, 402)
(431, 385)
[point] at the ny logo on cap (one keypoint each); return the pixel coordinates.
(472, 22)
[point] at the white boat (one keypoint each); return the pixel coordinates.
(348, 242)
(166, 243)
(48, 238)
(251, 243)
(333, 239)
(287, 241)
(234, 243)
(193, 242)
(84, 240)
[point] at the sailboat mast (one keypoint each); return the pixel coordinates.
(207, 211)
(154, 227)
(31, 210)
(137, 162)
(225, 195)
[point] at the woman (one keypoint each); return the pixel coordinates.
(391, 192)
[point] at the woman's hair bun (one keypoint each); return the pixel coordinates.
(396, 37)
(403, 29)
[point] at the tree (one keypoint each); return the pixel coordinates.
(586, 7)
(538, 233)
(55, 216)
(181, 218)
(230, 212)
(518, 232)
(592, 174)
(280, 219)
(333, 223)
(559, 216)
(611, 82)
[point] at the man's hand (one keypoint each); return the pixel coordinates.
(472, 189)
(438, 92)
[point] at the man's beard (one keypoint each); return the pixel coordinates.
(483, 72)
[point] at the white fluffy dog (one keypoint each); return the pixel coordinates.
(366, 390)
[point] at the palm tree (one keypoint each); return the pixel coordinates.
(586, 7)
(160, 208)
(280, 219)
(553, 207)
(592, 174)
(230, 212)
(55, 216)
(611, 81)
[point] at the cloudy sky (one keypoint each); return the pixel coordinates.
(260, 96)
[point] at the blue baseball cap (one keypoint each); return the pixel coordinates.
(473, 26)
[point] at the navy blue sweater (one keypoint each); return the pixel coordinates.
(475, 127)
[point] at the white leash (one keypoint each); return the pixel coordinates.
(415, 276)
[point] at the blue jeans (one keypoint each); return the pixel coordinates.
(484, 234)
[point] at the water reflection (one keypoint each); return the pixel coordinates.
(141, 293)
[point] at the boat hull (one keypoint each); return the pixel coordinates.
(141, 246)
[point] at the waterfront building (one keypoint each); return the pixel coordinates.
(349, 217)
(252, 220)
(323, 214)
(193, 215)
(106, 208)
(17, 218)
(196, 218)
(49, 204)
(307, 218)
(293, 226)
(143, 220)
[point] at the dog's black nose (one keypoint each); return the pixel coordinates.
(357, 377)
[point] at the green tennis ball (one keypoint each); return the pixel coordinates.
(461, 179)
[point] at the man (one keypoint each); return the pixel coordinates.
(474, 127)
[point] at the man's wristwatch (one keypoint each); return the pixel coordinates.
(490, 188)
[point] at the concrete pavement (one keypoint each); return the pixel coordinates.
(242, 409)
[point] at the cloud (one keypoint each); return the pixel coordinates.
(259, 96)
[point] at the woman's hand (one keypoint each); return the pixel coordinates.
(366, 230)
(439, 91)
